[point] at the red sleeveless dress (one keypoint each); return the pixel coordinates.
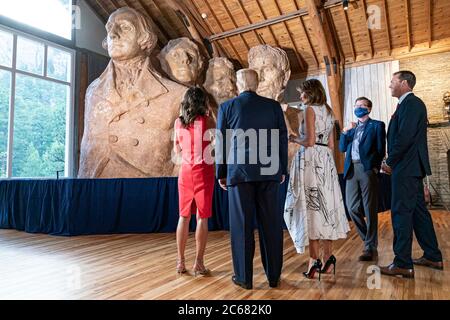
(196, 177)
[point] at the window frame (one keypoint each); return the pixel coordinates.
(39, 33)
(69, 134)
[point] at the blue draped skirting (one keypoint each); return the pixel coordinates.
(102, 206)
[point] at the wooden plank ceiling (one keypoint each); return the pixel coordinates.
(399, 27)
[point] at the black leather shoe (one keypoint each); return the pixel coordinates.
(241, 284)
(274, 284)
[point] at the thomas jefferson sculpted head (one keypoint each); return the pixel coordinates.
(182, 61)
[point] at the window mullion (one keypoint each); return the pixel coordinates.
(11, 111)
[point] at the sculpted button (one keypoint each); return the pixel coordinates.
(113, 139)
(135, 142)
(140, 120)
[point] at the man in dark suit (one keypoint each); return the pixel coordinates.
(409, 164)
(365, 146)
(251, 155)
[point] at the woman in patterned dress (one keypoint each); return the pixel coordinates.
(314, 209)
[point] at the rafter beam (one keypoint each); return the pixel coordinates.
(247, 17)
(321, 29)
(408, 24)
(369, 35)
(429, 4)
(262, 24)
(261, 12)
(205, 2)
(349, 34)
(297, 55)
(207, 29)
(234, 23)
(302, 24)
(170, 34)
(102, 7)
(388, 28)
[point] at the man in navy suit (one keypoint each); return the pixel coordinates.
(409, 164)
(251, 156)
(365, 146)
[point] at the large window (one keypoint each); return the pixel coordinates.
(54, 16)
(36, 98)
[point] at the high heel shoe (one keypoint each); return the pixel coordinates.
(331, 261)
(316, 267)
(181, 268)
(199, 268)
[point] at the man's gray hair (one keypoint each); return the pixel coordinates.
(247, 80)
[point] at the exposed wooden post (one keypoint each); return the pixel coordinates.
(330, 54)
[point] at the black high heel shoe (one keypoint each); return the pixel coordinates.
(316, 267)
(331, 261)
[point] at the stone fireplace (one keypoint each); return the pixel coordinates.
(439, 152)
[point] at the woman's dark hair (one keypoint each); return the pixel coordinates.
(193, 105)
(315, 93)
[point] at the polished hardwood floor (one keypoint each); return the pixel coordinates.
(142, 266)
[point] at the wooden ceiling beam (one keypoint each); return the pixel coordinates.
(115, 4)
(408, 24)
(311, 47)
(247, 17)
(369, 35)
(321, 29)
(267, 22)
(100, 5)
(275, 40)
(238, 57)
(429, 4)
(349, 34)
(170, 32)
(313, 52)
(294, 46)
(201, 23)
(234, 23)
(388, 27)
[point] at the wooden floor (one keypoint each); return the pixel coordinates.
(143, 267)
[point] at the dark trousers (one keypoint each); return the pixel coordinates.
(409, 213)
(246, 199)
(361, 197)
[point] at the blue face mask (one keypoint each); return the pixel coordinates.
(361, 112)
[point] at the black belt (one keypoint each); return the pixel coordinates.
(321, 144)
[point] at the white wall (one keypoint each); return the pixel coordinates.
(371, 81)
(91, 31)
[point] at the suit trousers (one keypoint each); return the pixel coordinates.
(245, 200)
(361, 197)
(409, 213)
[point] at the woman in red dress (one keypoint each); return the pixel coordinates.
(196, 177)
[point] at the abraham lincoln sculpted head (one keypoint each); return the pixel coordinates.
(130, 108)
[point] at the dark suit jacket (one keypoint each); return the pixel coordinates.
(407, 139)
(250, 111)
(372, 146)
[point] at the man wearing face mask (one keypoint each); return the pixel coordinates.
(364, 143)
